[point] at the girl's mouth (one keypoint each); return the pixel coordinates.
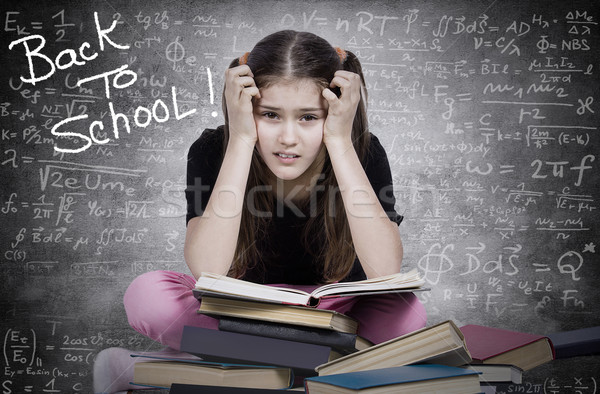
(286, 158)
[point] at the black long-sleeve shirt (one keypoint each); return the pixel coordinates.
(284, 257)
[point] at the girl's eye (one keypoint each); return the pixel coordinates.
(270, 115)
(308, 117)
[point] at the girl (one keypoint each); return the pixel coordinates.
(293, 189)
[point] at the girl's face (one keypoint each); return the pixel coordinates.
(289, 121)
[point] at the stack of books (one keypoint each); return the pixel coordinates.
(273, 338)
(503, 355)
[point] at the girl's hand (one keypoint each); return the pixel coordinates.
(240, 88)
(340, 116)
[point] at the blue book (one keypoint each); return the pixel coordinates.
(421, 379)
(582, 342)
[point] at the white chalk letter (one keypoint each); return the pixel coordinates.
(31, 54)
(179, 116)
(55, 132)
(116, 116)
(103, 34)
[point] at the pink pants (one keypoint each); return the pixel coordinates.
(160, 303)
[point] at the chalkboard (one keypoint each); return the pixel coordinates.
(489, 112)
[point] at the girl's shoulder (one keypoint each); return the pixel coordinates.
(376, 152)
(210, 140)
(206, 153)
(376, 164)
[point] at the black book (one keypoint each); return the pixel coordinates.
(582, 342)
(231, 347)
(342, 342)
(180, 388)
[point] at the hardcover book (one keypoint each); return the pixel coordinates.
(165, 372)
(179, 388)
(230, 347)
(582, 342)
(495, 373)
(442, 343)
(410, 379)
(278, 313)
(344, 343)
(489, 345)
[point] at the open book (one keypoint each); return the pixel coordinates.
(226, 287)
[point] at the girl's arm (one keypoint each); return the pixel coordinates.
(376, 238)
(211, 239)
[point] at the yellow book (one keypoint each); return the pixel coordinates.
(163, 373)
(279, 313)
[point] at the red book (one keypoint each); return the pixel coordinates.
(489, 345)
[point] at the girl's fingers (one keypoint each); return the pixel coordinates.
(245, 81)
(251, 92)
(348, 88)
(345, 73)
(243, 73)
(342, 84)
(345, 76)
(240, 79)
(240, 70)
(339, 81)
(345, 80)
(329, 95)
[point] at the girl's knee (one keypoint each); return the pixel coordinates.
(139, 285)
(404, 313)
(388, 316)
(157, 293)
(414, 313)
(154, 284)
(139, 289)
(159, 303)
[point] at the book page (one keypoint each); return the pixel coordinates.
(389, 282)
(224, 284)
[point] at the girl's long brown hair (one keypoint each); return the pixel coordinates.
(288, 56)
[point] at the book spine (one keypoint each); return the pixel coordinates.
(313, 302)
(586, 348)
(551, 348)
(222, 346)
(342, 342)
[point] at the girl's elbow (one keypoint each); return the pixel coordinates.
(400, 254)
(189, 260)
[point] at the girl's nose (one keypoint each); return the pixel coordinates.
(287, 135)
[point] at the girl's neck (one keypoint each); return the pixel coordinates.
(296, 190)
